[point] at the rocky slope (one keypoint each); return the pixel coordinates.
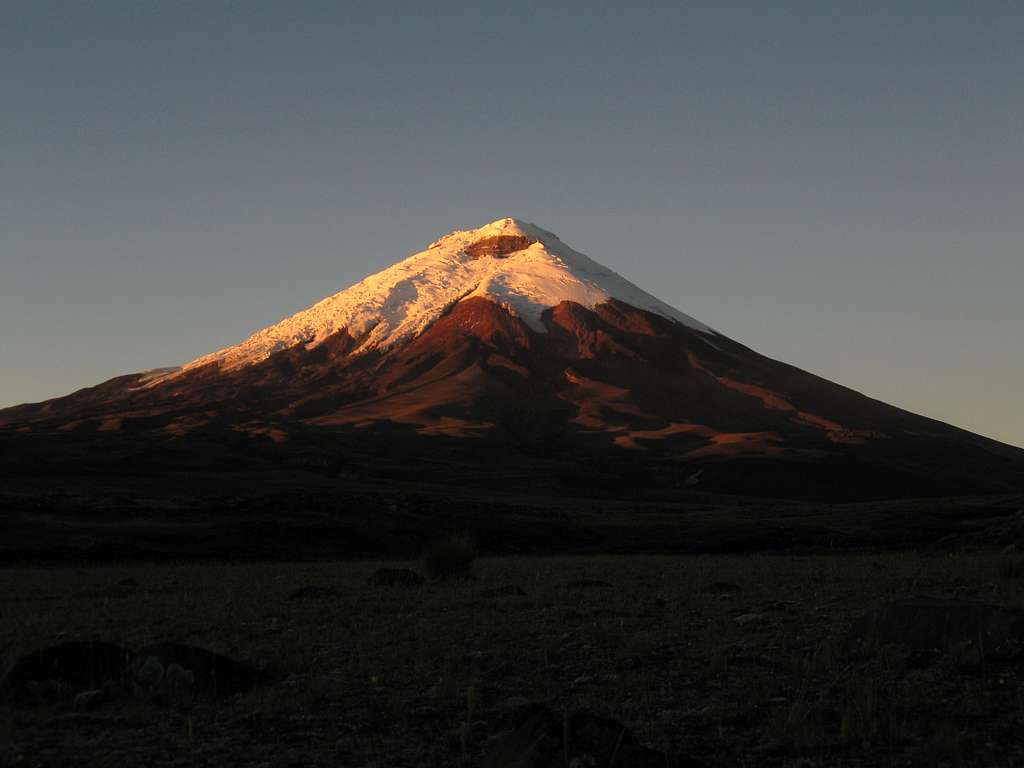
(506, 336)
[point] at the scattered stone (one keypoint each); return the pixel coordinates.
(588, 584)
(199, 673)
(72, 666)
(542, 738)
(945, 625)
(509, 590)
(88, 700)
(722, 588)
(395, 577)
(312, 592)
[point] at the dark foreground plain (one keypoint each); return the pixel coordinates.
(728, 659)
(299, 515)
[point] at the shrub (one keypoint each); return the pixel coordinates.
(451, 558)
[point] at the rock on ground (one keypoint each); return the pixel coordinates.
(206, 673)
(75, 666)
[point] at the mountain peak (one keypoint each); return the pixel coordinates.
(505, 332)
(519, 266)
(510, 224)
(506, 227)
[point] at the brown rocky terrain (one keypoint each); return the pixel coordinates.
(631, 389)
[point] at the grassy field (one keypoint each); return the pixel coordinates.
(750, 674)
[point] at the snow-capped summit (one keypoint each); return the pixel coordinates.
(518, 265)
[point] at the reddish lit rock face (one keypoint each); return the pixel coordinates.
(636, 377)
(498, 246)
(614, 378)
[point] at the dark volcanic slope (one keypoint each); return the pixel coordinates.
(616, 381)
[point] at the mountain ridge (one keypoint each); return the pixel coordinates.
(453, 357)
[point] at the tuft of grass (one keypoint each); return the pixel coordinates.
(949, 744)
(1012, 568)
(451, 558)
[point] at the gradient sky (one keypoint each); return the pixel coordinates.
(837, 185)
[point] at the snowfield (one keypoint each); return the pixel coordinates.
(401, 301)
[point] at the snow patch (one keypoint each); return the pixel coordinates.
(152, 376)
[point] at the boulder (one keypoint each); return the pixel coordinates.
(70, 667)
(176, 672)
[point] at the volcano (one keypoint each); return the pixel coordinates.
(504, 347)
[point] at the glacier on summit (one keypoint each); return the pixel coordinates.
(400, 302)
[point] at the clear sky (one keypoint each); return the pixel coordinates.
(837, 185)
